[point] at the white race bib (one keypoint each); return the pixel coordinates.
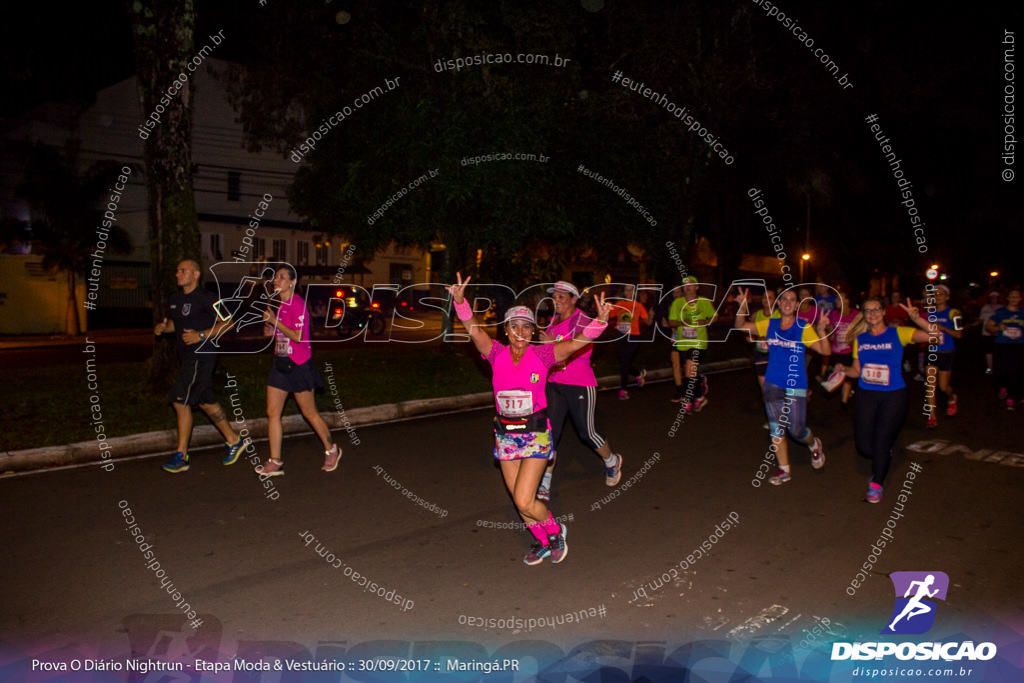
(515, 403)
(282, 347)
(874, 373)
(1012, 333)
(623, 327)
(688, 332)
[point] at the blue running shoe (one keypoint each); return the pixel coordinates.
(613, 474)
(179, 463)
(234, 451)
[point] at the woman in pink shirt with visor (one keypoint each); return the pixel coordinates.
(522, 432)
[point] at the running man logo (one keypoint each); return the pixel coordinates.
(534, 377)
(913, 612)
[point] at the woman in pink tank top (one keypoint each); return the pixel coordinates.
(522, 434)
(292, 372)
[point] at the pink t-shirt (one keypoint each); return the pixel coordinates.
(519, 388)
(841, 325)
(293, 314)
(575, 371)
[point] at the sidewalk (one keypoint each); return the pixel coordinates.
(207, 435)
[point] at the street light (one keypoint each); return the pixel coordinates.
(803, 259)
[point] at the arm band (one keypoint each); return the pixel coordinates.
(594, 329)
(464, 310)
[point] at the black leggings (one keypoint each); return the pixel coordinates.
(692, 388)
(1008, 366)
(877, 419)
(628, 347)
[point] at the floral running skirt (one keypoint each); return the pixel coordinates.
(521, 446)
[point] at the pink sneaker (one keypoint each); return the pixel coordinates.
(271, 468)
(874, 494)
(331, 459)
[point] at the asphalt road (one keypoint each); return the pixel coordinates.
(245, 558)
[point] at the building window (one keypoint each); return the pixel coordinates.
(234, 186)
(260, 250)
(323, 254)
(302, 253)
(280, 250)
(214, 253)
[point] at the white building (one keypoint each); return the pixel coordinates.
(233, 189)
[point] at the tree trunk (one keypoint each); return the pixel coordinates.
(164, 43)
(71, 326)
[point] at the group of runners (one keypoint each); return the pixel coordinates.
(542, 377)
(194, 321)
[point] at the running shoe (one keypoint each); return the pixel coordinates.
(623, 395)
(556, 542)
(678, 399)
(331, 459)
(817, 454)
(932, 422)
(687, 407)
(874, 494)
(1009, 406)
(234, 451)
(543, 493)
(613, 474)
(1002, 393)
(781, 476)
(641, 379)
(537, 553)
(951, 406)
(271, 468)
(699, 404)
(179, 463)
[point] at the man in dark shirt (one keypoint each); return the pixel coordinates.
(193, 319)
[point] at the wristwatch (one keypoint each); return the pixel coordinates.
(202, 336)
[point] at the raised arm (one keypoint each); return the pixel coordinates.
(924, 334)
(567, 347)
(481, 339)
(741, 314)
(823, 345)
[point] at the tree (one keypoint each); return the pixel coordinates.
(66, 224)
(164, 41)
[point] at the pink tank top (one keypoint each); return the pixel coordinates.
(577, 370)
(293, 314)
(519, 388)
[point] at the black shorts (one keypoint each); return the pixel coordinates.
(303, 377)
(844, 359)
(194, 384)
(943, 360)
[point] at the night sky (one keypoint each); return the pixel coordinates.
(932, 72)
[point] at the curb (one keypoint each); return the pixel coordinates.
(207, 435)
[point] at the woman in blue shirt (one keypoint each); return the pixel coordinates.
(881, 405)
